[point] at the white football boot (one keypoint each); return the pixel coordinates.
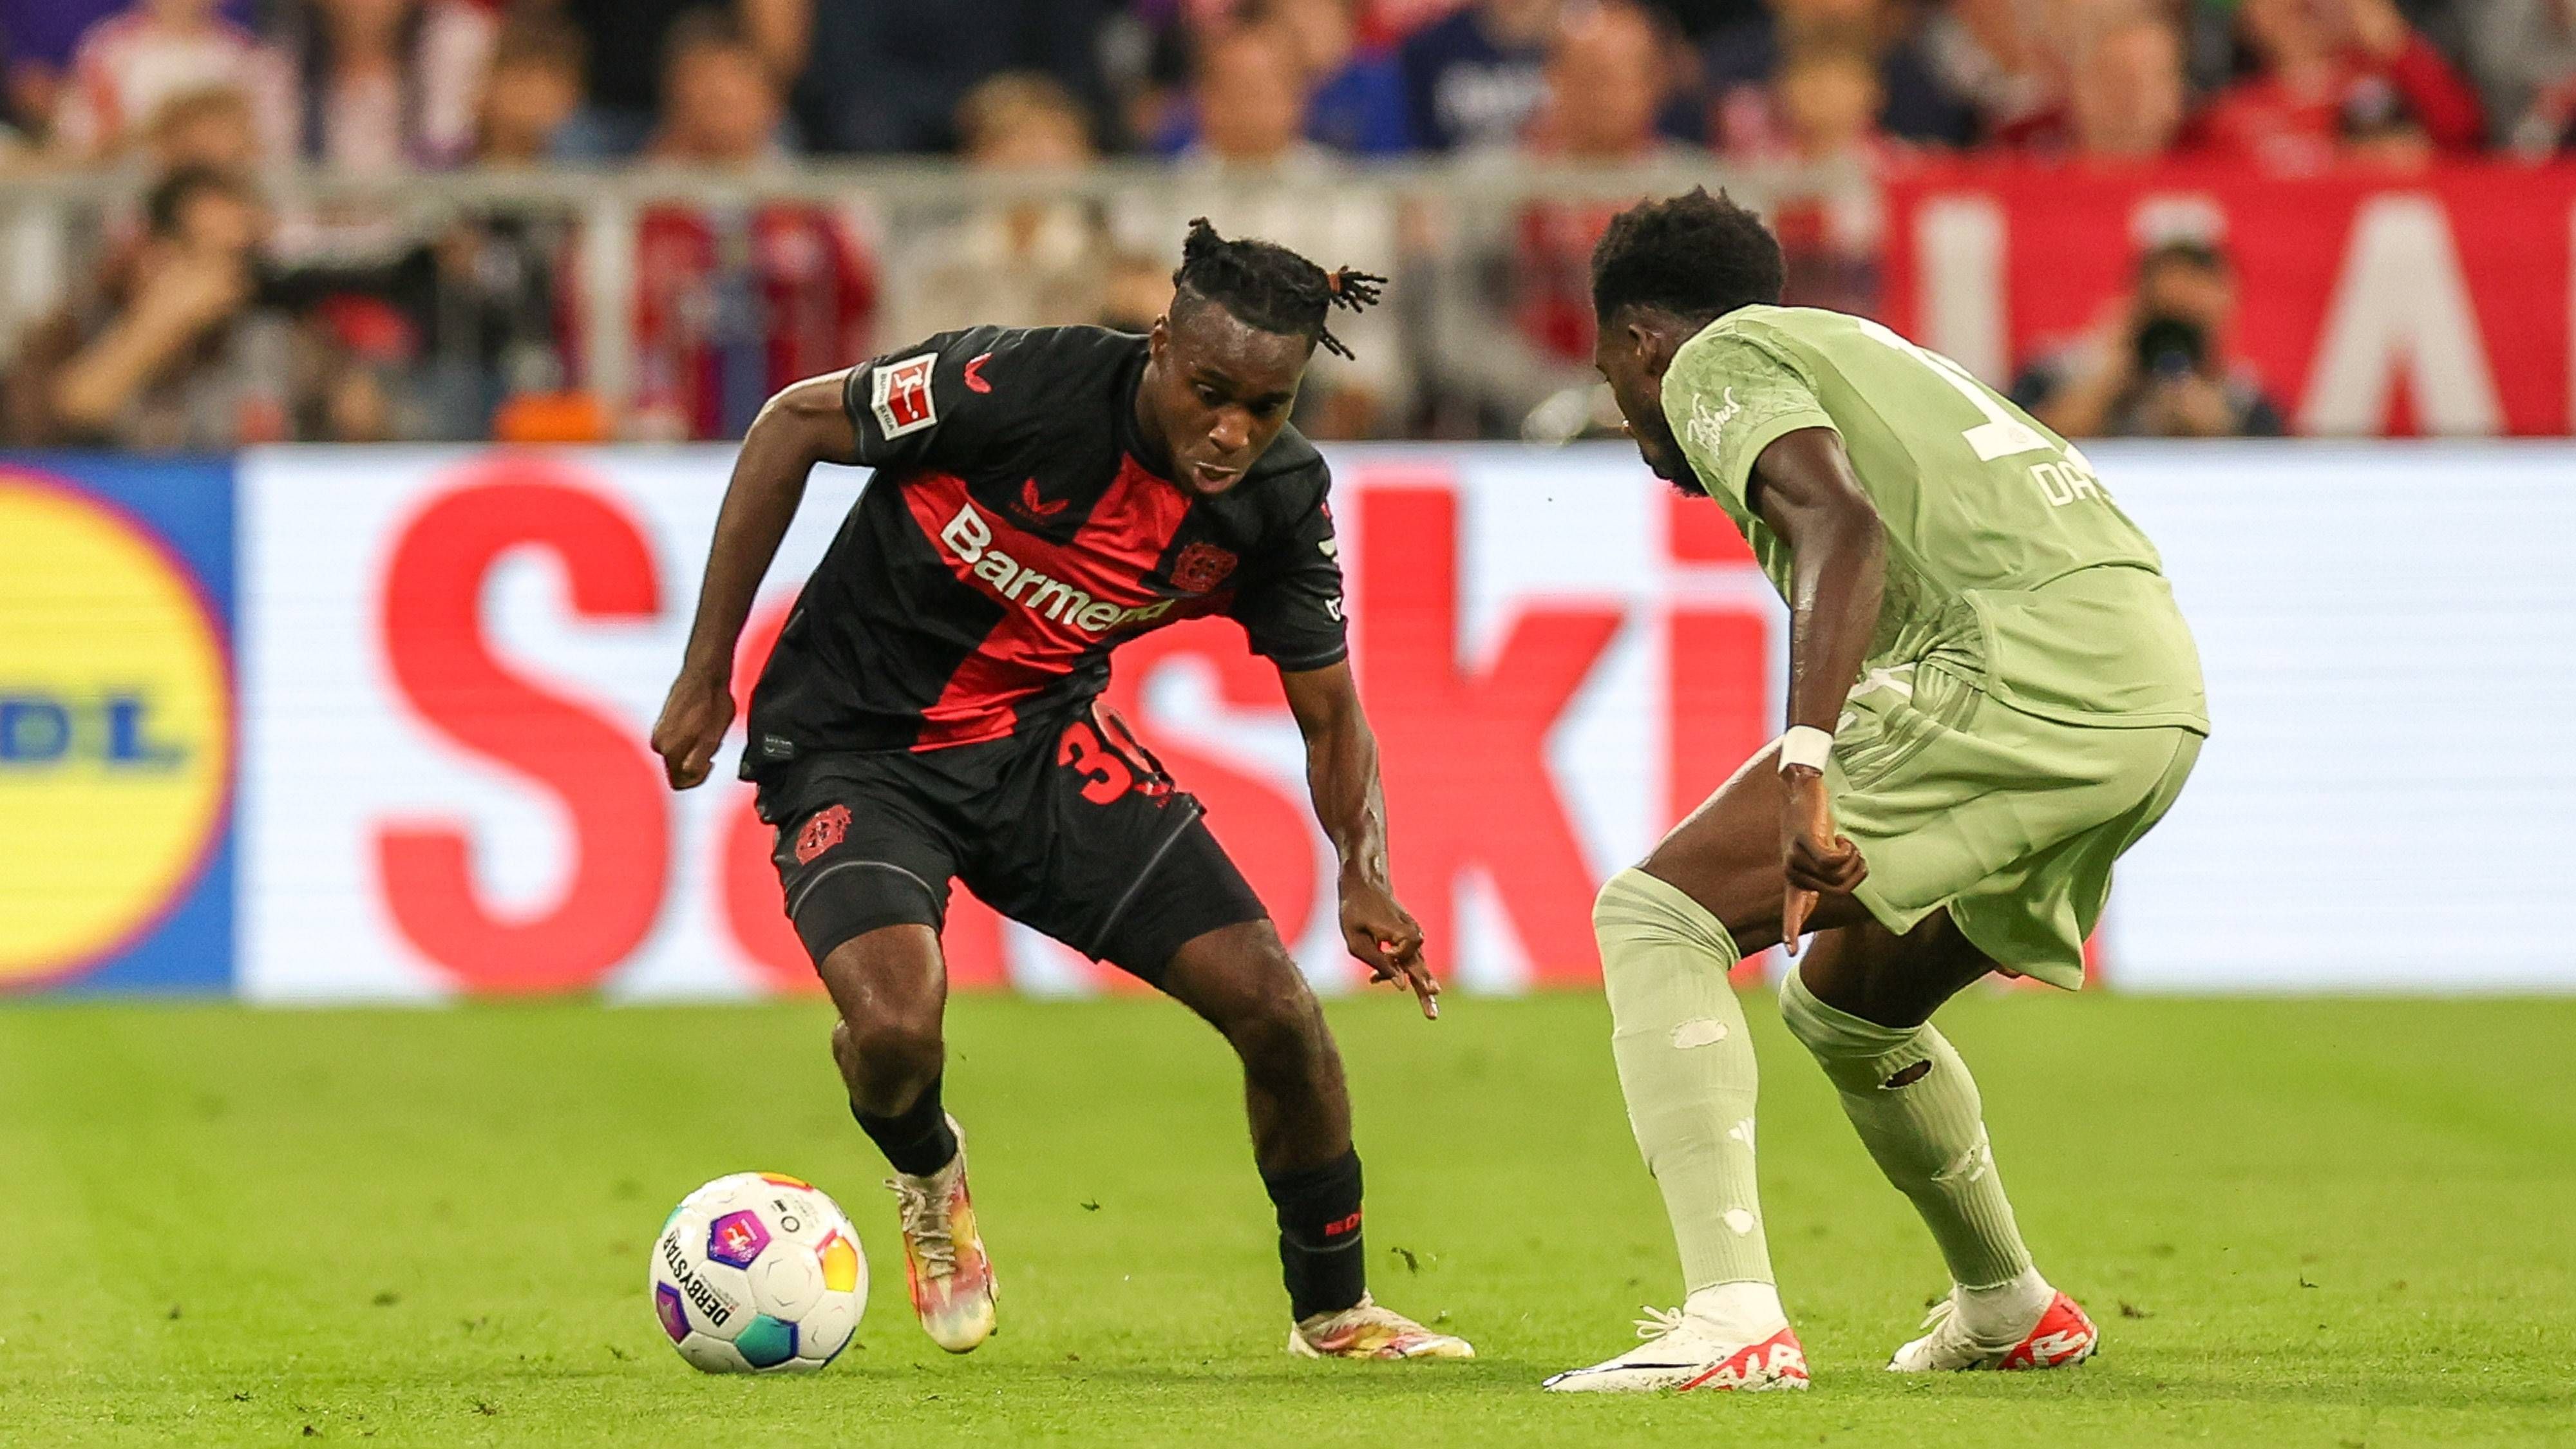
(2061, 1338)
(1684, 1354)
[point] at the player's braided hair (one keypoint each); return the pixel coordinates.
(1695, 255)
(1269, 287)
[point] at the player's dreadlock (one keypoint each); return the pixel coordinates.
(1269, 287)
(1694, 255)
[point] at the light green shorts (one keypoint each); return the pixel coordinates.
(2010, 820)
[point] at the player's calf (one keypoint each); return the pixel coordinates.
(1243, 981)
(892, 993)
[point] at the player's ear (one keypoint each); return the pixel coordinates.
(1653, 355)
(1158, 339)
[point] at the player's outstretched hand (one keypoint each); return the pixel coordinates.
(1384, 935)
(695, 716)
(1812, 856)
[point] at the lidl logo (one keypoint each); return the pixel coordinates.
(116, 730)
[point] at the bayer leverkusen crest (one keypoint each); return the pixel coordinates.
(1201, 567)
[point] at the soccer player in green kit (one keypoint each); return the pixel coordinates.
(1991, 697)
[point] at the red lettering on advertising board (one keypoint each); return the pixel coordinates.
(1465, 746)
(595, 768)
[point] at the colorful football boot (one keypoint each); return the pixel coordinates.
(1365, 1330)
(953, 1288)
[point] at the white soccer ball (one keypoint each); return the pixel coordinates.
(758, 1273)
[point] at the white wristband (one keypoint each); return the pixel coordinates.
(1805, 745)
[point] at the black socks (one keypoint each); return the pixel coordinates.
(1319, 1236)
(916, 1140)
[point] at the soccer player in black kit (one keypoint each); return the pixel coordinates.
(930, 713)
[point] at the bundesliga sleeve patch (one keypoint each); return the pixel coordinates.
(899, 394)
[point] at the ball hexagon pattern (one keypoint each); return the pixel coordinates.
(758, 1272)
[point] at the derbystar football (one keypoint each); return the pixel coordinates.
(758, 1273)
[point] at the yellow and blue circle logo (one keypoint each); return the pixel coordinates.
(116, 725)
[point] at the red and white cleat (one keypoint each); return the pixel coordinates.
(1368, 1331)
(953, 1288)
(1683, 1354)
(2062, 1338)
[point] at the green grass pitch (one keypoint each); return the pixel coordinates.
(2300, 1223)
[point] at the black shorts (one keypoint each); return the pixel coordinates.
(1075, 831)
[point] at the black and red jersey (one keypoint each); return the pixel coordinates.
(1011, 537)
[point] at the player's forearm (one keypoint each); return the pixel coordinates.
(1805, 490)
(1341, 768)
(1341, 774)
(1834, 592)
(799, 428)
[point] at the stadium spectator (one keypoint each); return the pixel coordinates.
(1354, 95)
(2128, 103)
(531, 91)
(2313, 59)
(1473, 79)
(1356, 102)
(1514, 321)
(1033, 263)
(129, 63)
(389, 83)
(721, 106)
(2160, 366)
(37, 39)
(1828, 97)
(1829, 105)
(482, 297)
(170, 348)
(2523, 53)
(1741, 59)
(2124, 97)
(888, 75)
(2007, 61)
(1254, 174)
(733, 304)
(211, 127)
(628, 41)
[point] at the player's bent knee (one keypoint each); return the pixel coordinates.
(894, 1046)
(1275, 1023)
(1634, 905)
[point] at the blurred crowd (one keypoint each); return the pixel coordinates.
(215, 314)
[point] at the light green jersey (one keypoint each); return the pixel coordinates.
(2008, 565)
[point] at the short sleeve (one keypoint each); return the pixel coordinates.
(1290, 600)
(1728, 397)
(916, 406)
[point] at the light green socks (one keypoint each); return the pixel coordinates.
(1686, 1066)
(1917, 1111)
